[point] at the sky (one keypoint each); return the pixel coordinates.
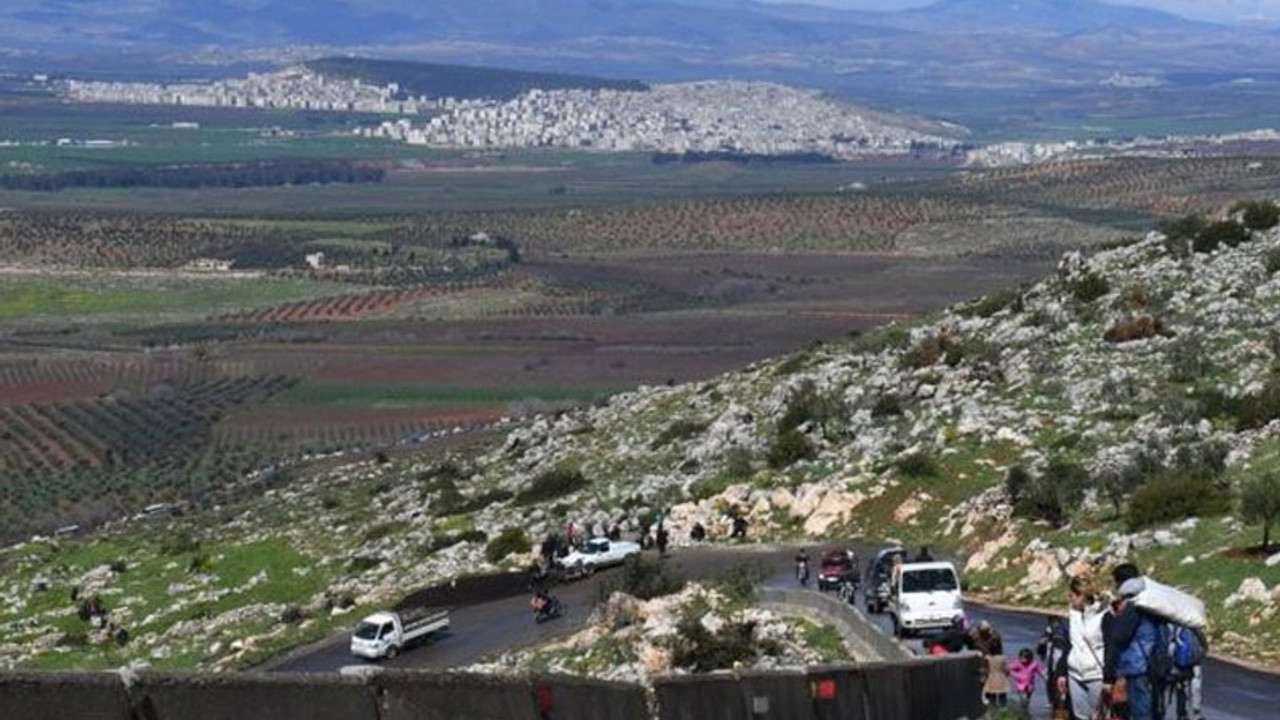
(1229, 11)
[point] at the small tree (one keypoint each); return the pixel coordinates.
(1260, 503)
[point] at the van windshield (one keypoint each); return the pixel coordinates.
(937, 580)
(367, 631)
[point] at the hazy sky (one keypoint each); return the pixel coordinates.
(1213, 10)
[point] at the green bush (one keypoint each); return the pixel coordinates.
(1256, 410)
(179, 542)
(441, 542)
(1271, 261)
(452, 502)
(887, 337)
(989, 305)
(551, 485)
(887, 405)
(1184, 228)
(1089, 287)
(677, 431)
(739, 463)
(697, 649)
(1223, 232)
(805, 404)
(642, 577)
(917, 465)
(707, 487)
(926, 352)
(382, 530)
(788, 448)
(1260, 503)
(740, 582)
(1258, 214)
(1168, 498)
(1187, 359)
(1052, 496)
(512, 541)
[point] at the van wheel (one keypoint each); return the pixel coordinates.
(392, 651)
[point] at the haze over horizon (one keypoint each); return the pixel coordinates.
(1221, 11)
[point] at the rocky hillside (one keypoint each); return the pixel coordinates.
(1114, 410)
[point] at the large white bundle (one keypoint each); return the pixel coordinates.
(1170, 603)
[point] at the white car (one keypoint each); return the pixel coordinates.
(927, 597)
(597, 553)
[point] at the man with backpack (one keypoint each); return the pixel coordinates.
(1155, 643)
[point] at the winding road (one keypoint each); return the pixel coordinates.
(484, 629)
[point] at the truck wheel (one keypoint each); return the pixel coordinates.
(392, 651)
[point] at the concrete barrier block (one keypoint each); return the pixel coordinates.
(925, 700)
(839, 693)
(559, 697)
(958, 679)
(59, 696)
(745, 696)
(410, 695)
(886, 690)
(190, 696)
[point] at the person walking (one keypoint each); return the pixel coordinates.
(663, 539)
(995, 681)
(1082, 684)
(1024, 670)
(1131, 643)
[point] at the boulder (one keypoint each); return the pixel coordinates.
(834, 508)
(1043, 574)
(1251, 590)
(908, 510)
(981, 559)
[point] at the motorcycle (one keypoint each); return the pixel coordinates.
(549, 610)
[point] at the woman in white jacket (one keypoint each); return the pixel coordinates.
(1084, 661)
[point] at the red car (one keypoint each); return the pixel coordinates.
(838, 566)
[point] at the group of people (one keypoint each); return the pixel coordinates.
(1102, 662)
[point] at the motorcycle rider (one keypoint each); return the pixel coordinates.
(802, 566)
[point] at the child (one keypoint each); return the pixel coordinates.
(1024, 671)
(995, 685)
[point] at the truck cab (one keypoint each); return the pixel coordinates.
(925, 596)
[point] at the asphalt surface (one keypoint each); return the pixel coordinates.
(483, 629)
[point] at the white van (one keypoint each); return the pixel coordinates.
(925, 596)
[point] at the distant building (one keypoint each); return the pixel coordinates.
(315, 260)
(210, 265)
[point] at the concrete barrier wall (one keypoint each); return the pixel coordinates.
(924, 689)
(856, 628)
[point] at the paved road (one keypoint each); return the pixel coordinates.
(481, 630)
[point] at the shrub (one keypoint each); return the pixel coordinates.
(551, 485)
(1089, 287)
(888, 337)
(805, 404)
(1168, 498)
(740, 582)
(1016, 482)
(1260, 503)
(1223, 232)
(1271, 261)
(1187, 359)
(738, 463)
(1052, 496)
(989, 305)
(119, 567)
(917, 465)
(1255, 411)
(382, 530)
(512, 541)
(1133, 328)
(887, 405)
(1258, 214)
(1184, 228)
(677, 431)
(699, 650)
(788, 448)
(642, 577)
(441, 542)
(361, 563)
(179, 542)
(710, 486)
(927, 351)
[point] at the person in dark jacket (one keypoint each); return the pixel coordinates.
(955, 638)
(1053, 647)
(1132, 639)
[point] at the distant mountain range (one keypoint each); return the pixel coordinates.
(955, 58)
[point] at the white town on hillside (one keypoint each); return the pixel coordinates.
(713, 116)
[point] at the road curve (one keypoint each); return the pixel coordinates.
(484, 629)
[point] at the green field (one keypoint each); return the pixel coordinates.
(113, 298)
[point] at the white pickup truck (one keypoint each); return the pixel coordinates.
(926, 596)
(385, 634)
(597, 553)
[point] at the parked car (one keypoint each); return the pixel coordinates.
(837, 567)
(926, 597)
(597, 553)
(876, 581)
